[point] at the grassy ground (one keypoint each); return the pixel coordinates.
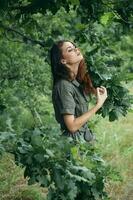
(12, 184)
(115, 140)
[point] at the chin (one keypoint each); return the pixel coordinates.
(81, 58)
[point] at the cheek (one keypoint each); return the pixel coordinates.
(71, 57)
(75, 58)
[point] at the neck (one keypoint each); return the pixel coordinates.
(74, 69)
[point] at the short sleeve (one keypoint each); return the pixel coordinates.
(65, 95)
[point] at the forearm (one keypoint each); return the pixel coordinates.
(77, 123)
(80, 121)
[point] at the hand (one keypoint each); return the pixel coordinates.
(101, 96)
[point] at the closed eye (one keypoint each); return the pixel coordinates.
(72, 49)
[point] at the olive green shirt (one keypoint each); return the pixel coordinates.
(69, 98)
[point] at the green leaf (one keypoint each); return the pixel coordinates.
(113, 115)
(50, 153)
(39, 157)
(77, 177)
(74, 2)
(106, 18)
(36, 140)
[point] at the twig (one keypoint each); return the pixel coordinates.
(24, 37)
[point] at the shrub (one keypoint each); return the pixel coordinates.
(69, 170)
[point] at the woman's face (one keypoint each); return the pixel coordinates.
(70, 54)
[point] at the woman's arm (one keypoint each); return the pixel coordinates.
(73, 124)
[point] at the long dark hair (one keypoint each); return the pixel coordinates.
(61, 71)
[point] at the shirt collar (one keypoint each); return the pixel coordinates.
(75, 82)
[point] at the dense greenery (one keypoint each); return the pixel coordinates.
(69, 171)
(103, 30)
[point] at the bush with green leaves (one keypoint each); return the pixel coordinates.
(69, 170)
(7, 142)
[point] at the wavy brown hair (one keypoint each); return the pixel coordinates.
(84, 78)
(61, 71)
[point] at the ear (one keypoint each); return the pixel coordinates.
(63, 61)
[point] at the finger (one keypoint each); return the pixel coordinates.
(98, 93)
(103, 87)
(101, 90)
(105, 91)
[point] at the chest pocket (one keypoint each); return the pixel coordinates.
(81, 103)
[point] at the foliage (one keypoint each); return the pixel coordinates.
(92, 9)
(97, 40)
(25, 87)
(104, 67)
(103, 30)
(69, 170)
(7, 142)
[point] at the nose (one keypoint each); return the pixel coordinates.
(77, 50)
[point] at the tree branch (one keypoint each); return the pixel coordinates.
(24, 37)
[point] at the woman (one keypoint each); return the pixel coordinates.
(71, 88)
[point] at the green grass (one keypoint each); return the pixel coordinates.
(12, 184)
(115, 140)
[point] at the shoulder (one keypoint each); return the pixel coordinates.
(64, 85)
(64, 82)
(63, 88)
